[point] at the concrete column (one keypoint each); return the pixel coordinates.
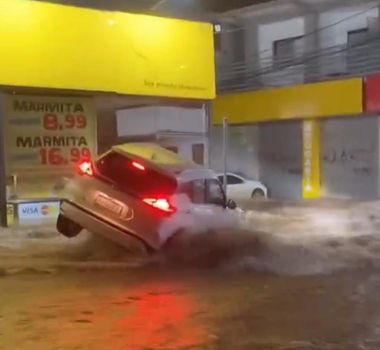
(252, 51)
(312, 45)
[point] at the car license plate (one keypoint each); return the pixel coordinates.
(109, 204)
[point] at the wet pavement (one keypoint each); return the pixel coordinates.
(189, 310)
(295, 278)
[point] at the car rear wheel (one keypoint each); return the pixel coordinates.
(67, 227)
(258, 194)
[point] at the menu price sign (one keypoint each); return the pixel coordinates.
(46, 133)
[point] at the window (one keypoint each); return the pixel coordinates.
(141, 182)
(195, 190)
(356, 49)
(231, 180)
(356, 37)
(204, 192)
(198, 151)
(286, 50)
(172, 149)
(198, 192)
(215, 194)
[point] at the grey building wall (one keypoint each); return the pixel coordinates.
(349, 157)
(280, 155)
(242, 150)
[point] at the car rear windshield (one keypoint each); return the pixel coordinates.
(135, 177)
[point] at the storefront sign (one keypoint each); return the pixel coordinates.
(311, 176)
(48, 133)
(38, 211)
(49, 45)
(317, 100)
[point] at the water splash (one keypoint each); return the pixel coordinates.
(291, 240)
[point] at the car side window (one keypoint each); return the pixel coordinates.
(198, 192)
(195, 190)
(233, 180)
(215, 194)
(204, 192)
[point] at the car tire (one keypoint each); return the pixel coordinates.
(258, 194)
(67, 227)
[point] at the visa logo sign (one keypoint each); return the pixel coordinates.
(30, 211)
(39, 210)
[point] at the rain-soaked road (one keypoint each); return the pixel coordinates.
(309, 280)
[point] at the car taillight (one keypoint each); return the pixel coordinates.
(85, 168)
(160, 203)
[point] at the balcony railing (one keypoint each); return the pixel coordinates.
(325, 64)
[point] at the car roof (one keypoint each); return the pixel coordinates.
(232, 174)
(164, 160)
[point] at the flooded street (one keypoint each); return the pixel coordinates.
(300, 278)
(153, 309)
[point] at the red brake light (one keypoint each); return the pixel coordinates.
(160, 203)
(138, 166)
(85, 168)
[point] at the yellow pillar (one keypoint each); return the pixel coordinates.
(311, 186)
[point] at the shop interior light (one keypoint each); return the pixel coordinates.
(138, 166)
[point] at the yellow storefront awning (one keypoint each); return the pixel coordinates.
(55, 46)
(326, 99)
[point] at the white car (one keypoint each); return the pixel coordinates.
(241, 189)
(143, 195)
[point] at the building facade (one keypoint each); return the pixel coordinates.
(301, 90)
